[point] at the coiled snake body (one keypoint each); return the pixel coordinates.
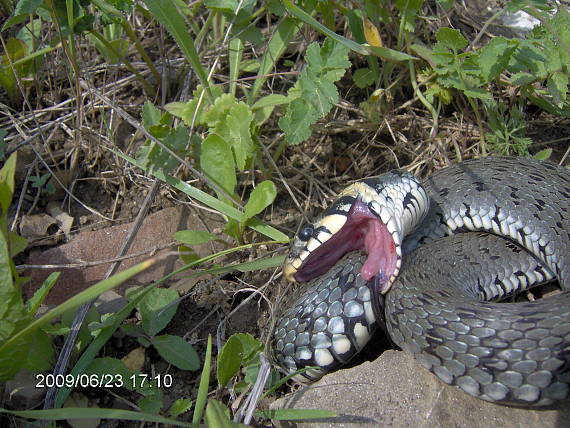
(442, 301)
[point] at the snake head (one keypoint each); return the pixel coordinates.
(361, 218)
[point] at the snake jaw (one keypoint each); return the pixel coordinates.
(363, 228)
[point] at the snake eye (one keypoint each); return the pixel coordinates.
(306, 232)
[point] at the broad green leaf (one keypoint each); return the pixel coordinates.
(217, 161)
(558, 86)
(180, 406)
(157, 309)
(150, 115)
(16, 342)
(110, 371)
(226, 6)
(22, 11)
(41, 355)
(260, 198)
(330, 59)
(175, 350)
(218, 415)
(194, 237)
(229, 361)
(297, 121)
(522, 78)
(314, 94)
(494, 57)
(218, 112)
(543, 154)
(364, 77)
(251, 346)
(451, 39)
(152, 401)
(239, 122)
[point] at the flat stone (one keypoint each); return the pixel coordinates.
(156, 231)
(395, 391)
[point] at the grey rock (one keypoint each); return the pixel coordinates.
(395, 391)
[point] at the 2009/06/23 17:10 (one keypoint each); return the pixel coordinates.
(100, 380)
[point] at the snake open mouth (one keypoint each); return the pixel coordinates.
(364, 231)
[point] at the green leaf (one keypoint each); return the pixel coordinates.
(557, 85)
(314, 94)
(389, 54)
(23, 9)
(219, 110)
(150, 115)
(495, 56)
(110, 370)
(251, 346)
(364, 77)
(521, 79)
(229, 361)
(270, 100)
(40, 355)
(297, 121)
(543, 154)
(180, 406)
(7, 174)
(175, 350)
(217, 162)
(238, 124)
(39, 296)
(202, 395)
(260, 198)
(152, 402)
(451, 39)
(194, 237)
(157, 309)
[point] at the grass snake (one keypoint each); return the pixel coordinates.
(475, 234)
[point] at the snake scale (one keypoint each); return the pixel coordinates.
(475, 234)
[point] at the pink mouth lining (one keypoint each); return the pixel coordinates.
(362, 231)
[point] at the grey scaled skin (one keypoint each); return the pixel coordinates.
(442, 308)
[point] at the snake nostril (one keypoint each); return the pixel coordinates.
(306, 232)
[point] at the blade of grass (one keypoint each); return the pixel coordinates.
(211, 201)
(204, 383)
(309, 20)
(283, 34)
(295, 414)
(80, 298)
(235, 54)
(167, 14)
(93, 413)
(95, 346)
